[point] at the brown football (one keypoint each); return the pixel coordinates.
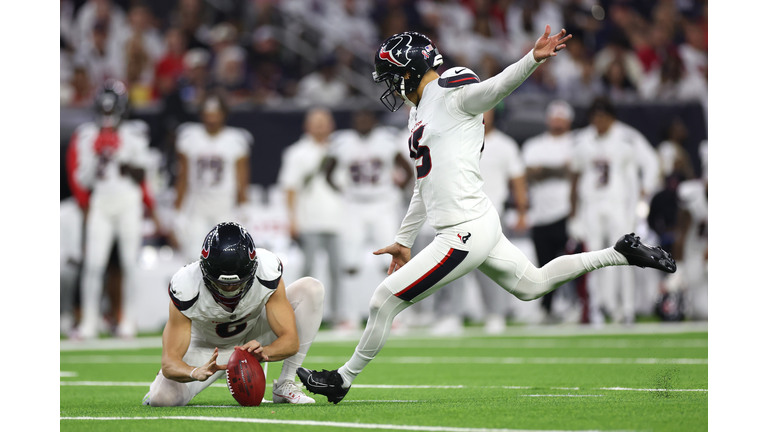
(245, 378)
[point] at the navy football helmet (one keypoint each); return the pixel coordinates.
(401, 62)
(228, 262)
(111, 103)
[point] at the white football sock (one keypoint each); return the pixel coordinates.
(538, 281)
(384, 307)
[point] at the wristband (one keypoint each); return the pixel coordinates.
(193, 371)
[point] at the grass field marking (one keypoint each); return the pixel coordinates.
(375, 386)
(67, 374)
(566, 395)
(421, 360)
(653, 390)
(320, 423)
(543, 343)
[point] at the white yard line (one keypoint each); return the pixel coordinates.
(653, 390)
(315, 423)
(66, 359)
(423, 334)
(567, 395)
(373, 386)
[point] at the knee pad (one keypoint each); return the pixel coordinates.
(308, 288)
(381, 295)
(169, 394)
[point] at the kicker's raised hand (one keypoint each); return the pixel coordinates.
(548, 46)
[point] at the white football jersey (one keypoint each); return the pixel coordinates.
(366, 163)
(550, 198)
(211, 163)
(692, 196)
(318, 206)
(445, 144)
(500, 162)
(605, 163)
(446, 141)
(212, 325)
(100, 155)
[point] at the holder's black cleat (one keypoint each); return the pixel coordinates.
(641, 255)
(326, 383)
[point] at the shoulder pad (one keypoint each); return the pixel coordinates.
(86, 128)
(457, 77)
(240, 133)
(687, 190)
(183, 289)
(270, 269)
(136, 126)
(186, 128)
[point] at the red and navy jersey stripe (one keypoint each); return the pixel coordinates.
(434, 275)
(180, 304)
(458, 80)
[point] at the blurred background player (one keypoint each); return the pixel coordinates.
(314, 208)
(366, 160)
(112, 154)
(691, 245)
(213, 173)
(503, 172)
(547, 157)
(608, 158)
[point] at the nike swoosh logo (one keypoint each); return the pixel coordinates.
(310, 381)
(459, 71)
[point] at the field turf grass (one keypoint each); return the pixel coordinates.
(641, 382)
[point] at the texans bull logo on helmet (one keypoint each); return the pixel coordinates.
(397, 53)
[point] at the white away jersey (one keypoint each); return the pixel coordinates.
(605, 163)
(550, 198)
(692, 197)
(211, 162)
(446, 140)
(445, 144)
(500, 162)
(212, 325)
(366, 163)
(101, 153)
(318, 206)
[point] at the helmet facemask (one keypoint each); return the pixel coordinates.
(395, 95)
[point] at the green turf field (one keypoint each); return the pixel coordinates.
(586, 381)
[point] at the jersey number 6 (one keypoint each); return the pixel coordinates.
(230, 329)
(417, 151)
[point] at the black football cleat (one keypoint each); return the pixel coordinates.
(326, 383)
(641, 255)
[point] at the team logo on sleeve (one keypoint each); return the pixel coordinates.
(464, 238)
(397, 53)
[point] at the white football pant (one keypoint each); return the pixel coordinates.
(454, 252)
(119, 221)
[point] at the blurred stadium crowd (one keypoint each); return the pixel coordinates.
(136, 215)
(309, 51)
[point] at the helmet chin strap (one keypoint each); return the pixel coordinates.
(403, 95)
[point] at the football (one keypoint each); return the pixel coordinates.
(245, 378)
